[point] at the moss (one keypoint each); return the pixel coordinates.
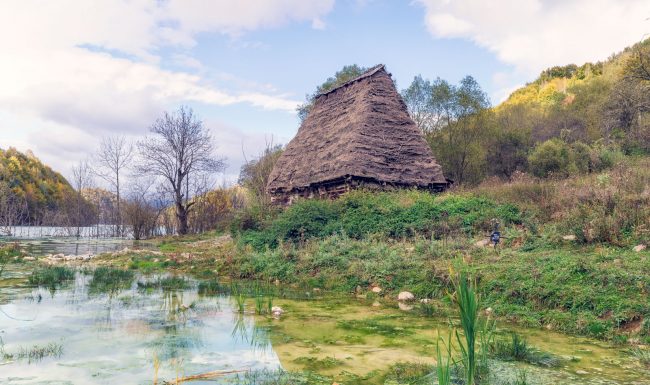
(315, 363)
(408, 372)
(374, 326)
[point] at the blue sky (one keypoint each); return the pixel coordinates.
(74, 71)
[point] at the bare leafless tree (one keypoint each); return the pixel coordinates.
(81, 180)
(142, 208)
(181, 153)
(113, 158)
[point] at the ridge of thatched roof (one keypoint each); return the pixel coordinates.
(359, 130)
(364, 75)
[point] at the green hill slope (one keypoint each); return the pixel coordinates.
(33, 182)
(589, 102)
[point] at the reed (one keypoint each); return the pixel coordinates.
(444, 361)
(260, 305)
(468, 305)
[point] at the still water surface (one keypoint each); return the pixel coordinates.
(122, 336)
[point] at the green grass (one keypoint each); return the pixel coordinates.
(9, 251)
(315, 363)
(150, 263)
(408, 373)
(374, 326)
(587, 290)
(517, 349)
(109, 280)
(395, 215)
(642, 354)
(51, 276)
(166, 283)
(592, 291)
(210, 288)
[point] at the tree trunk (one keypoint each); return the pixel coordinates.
(181, 215)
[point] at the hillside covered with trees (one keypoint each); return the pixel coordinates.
(571, 119)
(30, 188)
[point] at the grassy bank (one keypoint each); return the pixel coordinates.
(566, 262)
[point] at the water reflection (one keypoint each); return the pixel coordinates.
(37, 246)
(165, 327)
(247, 330)
(111, 334)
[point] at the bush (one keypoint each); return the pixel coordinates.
(552, 157)
(396, 215)
(557, 158)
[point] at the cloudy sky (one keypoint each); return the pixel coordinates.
(73, 71)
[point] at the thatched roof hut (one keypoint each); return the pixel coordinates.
(357, 134)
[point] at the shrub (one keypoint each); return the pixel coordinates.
(362, 214)
(551, 157)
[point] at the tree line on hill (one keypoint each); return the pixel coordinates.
(570, 120)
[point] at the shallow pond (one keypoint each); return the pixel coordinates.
(142, 332)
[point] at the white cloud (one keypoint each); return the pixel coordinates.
(75, 70)
(533, 34)
(234, 17)
(318, 24)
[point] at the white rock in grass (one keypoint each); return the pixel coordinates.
(639, 248)
(405, 296)
(277, 311)
(404, 306)
(483, 242)
(569, 237)
(376, 289)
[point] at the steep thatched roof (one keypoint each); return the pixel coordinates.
(362, 130)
